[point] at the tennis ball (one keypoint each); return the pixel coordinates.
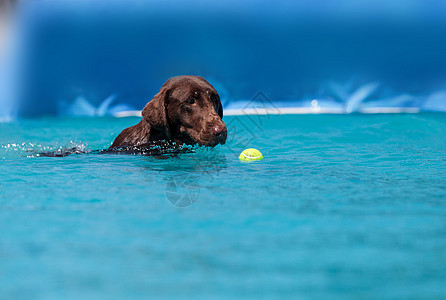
(250, 154)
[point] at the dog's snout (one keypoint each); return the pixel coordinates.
(220, 133)
(219, 130)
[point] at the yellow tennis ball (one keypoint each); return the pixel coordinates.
(250, 154)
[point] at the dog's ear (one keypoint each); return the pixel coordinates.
(155, 112)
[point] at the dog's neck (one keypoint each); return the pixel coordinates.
(150, 133)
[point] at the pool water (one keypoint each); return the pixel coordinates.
(342, 206)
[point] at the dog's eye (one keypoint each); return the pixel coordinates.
(190, 101)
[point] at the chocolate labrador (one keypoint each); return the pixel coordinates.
(187, 110)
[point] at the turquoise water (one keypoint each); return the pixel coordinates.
(347, 206)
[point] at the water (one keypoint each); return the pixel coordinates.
(341, 207)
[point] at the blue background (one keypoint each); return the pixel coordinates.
(102, 57)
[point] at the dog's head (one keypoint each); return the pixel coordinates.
(187, 110)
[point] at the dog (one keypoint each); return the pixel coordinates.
(187, 110)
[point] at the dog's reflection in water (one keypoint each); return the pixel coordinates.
(195, 160)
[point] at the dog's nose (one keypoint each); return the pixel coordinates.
(220, 133)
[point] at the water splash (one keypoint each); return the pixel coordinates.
(13, 150)
(160, 148)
